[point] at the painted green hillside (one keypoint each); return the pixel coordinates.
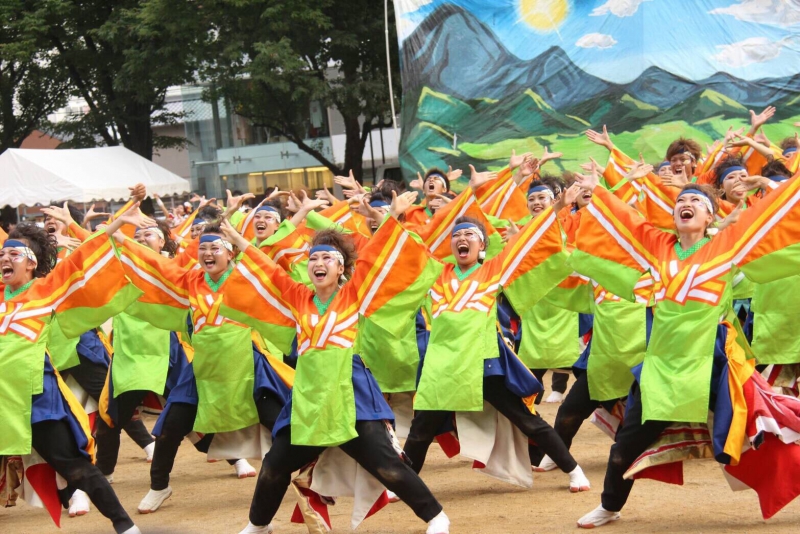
(487, 130)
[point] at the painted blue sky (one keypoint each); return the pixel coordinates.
(617, 39)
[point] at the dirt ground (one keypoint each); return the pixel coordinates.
(208, 498)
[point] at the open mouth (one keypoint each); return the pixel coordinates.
(209, 263)
(686, 214)
(462, 250)
(320, 274)
(537, 209)
(261, 227)
(587, 195)
(7, 271)
(50, 228)
(431, 186)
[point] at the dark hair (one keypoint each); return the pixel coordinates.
(727, 163)
(170, 246)
(537, 183)
(681, 145)
(437, 170)
(709, 191)
(555, 183)
(387, 186)
(340, 242)
(41, 243)
(209, 213)
(788, 142)
(775, 168)
(276, 203)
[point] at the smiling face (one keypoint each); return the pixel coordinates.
(584, 197)
(196, 230)
(324, 270)
(730, 181)
(466, 245)
(539, 201)
(691, 213)
(265, 223)
(214, 257)
(16, 268)
(151, 238)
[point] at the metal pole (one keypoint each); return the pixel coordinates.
(389, 66)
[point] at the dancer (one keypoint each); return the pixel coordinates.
(335, 400)
(84, 289)
(691, 353)
(231, 385)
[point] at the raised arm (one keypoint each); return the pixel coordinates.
(85, 289)
(393, 272)
(765, 240)
(615, 244)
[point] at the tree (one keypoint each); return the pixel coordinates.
(120, 57)
(276, 58)
(31, 88)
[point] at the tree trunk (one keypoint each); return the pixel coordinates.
(353, 148)
(136, 131)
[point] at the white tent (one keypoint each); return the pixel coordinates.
(29, 176)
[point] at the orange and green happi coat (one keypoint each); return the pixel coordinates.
(83, 290)
(693, 288)
(223, 348)
(464, 313)
(392, 274)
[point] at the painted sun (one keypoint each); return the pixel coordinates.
(543, 15)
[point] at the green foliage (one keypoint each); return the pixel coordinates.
(31, 87)
(120, 56)
(275, 58)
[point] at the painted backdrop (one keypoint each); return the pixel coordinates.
(481, 77)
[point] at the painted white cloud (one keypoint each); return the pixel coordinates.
(596, 40)
(776, 12)
(620, 8)
(749, 51)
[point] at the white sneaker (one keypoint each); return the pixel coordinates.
(578, 481)
(153, 500)
(78, 504)
(244, 469)
(392, 496)
(555, 397)
(149, 450)
(439, 524)
(252, 529)
(597, 518)
(133, 530)
(110, 478)
(545, 465)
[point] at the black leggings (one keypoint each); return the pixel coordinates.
(426, 424)
(372, 449)
(558, 381)
(54, 442)
(633, 438)
(180, 421)
(577, 407)
(92, 377)
(108, 438)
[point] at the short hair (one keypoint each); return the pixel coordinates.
(42, 244)
(681, 145)
(775, 168)
(340, 242)
(709, 191)
(727, 163)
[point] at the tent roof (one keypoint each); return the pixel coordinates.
(30, 176)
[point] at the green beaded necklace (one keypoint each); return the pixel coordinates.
(322, 307)
(683, 254)
(8, 294)
(216, 285)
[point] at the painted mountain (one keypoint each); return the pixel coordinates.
(468, 98)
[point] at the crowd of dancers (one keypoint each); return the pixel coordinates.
(295, 330)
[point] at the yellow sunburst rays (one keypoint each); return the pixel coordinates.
(544, 16)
